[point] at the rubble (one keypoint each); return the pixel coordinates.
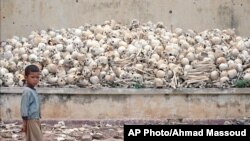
(69, 131)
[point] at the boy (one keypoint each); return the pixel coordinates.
(30, 105)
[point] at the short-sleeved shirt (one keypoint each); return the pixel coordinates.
(30, 104)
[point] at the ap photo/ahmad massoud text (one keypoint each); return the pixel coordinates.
(164, 131)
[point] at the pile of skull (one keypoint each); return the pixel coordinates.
(138, 55)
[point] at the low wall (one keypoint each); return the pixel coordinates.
(108, 103)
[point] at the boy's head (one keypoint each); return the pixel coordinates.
(32, 74)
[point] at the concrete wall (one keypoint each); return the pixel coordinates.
(20, 17)
(70, 103)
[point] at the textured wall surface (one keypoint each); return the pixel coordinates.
(21, 17)
(69, 103)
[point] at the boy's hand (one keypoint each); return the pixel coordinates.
(24, 128)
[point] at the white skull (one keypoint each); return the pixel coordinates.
(171, 59)
(137, 78)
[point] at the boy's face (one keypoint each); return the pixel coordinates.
(32, 79)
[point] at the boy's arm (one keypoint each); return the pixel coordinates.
(24, 109)
(25, 105)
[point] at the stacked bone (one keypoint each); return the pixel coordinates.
(138, 55)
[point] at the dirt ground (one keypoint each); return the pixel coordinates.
(60, 131)
(88, 130)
